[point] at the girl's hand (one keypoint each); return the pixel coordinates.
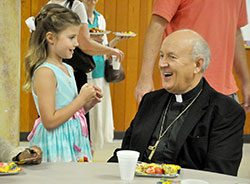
(99, 95)
(94, 101)
(87, 92)
(32, 155)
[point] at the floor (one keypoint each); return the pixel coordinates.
(104, 154)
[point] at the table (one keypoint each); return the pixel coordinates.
(99, 173)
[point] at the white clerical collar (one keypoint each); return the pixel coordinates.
(178, 98)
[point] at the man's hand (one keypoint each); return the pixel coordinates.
(246, 97)
(241, 69)
(151, 49)
(144, 85)
(33, 155)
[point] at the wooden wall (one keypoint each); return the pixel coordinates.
(247, 123)
(28, 111)
(121, 15)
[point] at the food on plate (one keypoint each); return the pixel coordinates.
(125, 33)
(152, 168)
(159, 170)
(96, 30)
(10, 167)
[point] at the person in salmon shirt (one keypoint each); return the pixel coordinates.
(219, 22)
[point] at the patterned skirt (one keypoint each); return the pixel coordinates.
(59, 145)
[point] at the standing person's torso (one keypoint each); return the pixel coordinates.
(217, 21)
(77, 7)
(100, 23)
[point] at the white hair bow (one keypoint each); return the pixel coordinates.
(31, 23)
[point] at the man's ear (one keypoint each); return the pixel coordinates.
(198, 65)
(50, 37)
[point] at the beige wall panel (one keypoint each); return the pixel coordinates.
(9, 69)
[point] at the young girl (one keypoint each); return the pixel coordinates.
(61, 131)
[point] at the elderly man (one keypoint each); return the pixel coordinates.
(187, 123)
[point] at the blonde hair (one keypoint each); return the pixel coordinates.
(52, 18)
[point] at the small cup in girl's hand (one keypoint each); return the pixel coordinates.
(116, 64)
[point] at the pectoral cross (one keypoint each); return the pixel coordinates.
(153, 148)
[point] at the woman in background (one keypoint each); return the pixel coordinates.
(101, 116)
(86, 44)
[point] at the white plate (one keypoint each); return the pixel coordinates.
(9, 173)
(100, 33)
(157, 175)
(14, 168)
(124, 34)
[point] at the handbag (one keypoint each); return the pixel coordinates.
(81, 61)
(111, 75)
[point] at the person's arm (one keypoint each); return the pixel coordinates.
(92, 47)
(45, 89)
(115, 41)
(10, 153)
(241, 69)
(151, 50)
(7, 151)
(96, 100)
(32, 155)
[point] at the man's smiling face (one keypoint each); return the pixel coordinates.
(176, 64)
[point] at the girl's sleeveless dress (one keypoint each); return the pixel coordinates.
(59, 145)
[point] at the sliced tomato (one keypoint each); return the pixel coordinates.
(150, 170)
(159, 170)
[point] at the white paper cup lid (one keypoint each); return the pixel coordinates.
(128, 154)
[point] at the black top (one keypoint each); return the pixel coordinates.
(210, 139)
(70, 2)
(165, 149)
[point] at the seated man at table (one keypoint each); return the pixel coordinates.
(187, 123)
(10, 153)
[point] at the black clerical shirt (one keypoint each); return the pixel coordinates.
(166, 148)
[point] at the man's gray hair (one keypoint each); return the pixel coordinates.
(201, 50)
